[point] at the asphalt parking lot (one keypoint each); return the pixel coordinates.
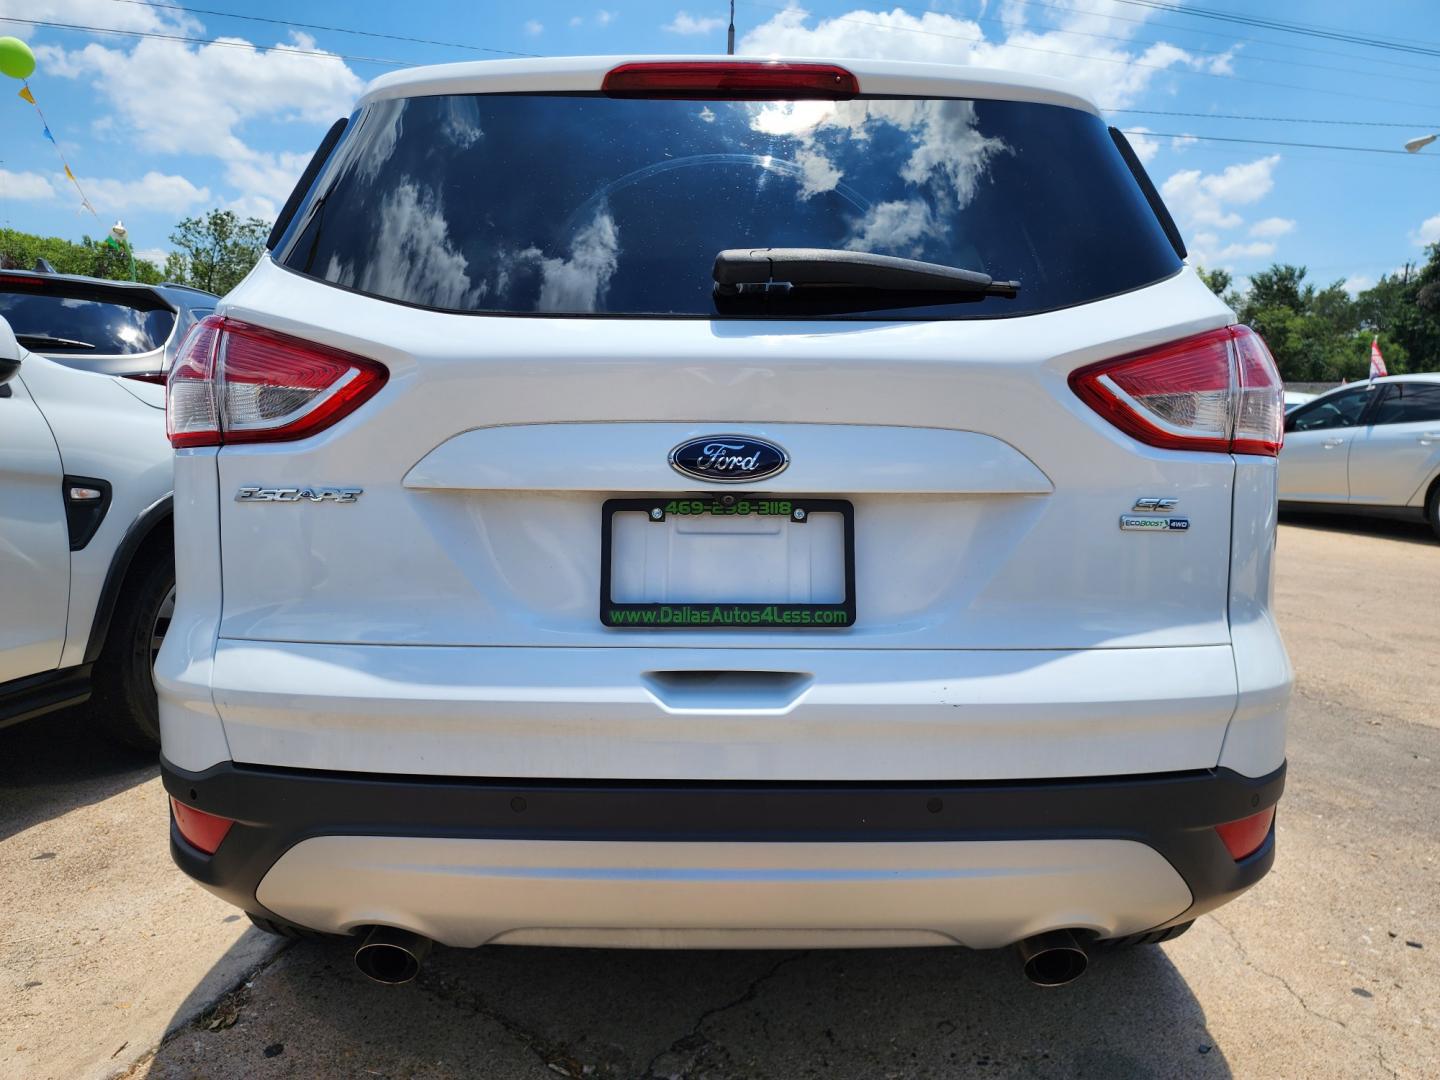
(1328, 968)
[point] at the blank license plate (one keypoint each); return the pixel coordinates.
(730, 562)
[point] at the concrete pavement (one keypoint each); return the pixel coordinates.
(1327, 968)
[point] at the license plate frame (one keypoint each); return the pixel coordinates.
(727, 615)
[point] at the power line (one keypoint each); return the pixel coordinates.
(1224, 54)
(1417, 126)
(1419, 48)
(982, 40)
(289, 50)
(1145, 20)
(1275, 142)
(316, 26)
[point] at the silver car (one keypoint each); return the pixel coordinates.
(1368, 448)
(116, 327)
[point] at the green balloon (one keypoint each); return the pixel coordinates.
(16, 59)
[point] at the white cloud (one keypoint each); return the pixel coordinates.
(153, 191)
(534, 27)
(817, 174)
(893, 228)
(25, 186)
(576, 21)
(577, 283)
(1253, 250)
(1145, 147)
(685, 23)
(209, 93)
(1208, 199)
(1112, 71)
(605, 18)
(1357, 283)
(153, 255)
(420, 260)
(91, 13)
(1429, 231)
(1272, 226)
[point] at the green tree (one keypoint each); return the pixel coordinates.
(93, 258)
(1218, 281)
(215, 251)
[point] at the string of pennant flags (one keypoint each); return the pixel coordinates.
(28, 95)
(17, 61)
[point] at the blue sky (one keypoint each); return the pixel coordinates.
(156, 129)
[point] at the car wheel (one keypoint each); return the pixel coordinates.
(1432, 508)
(124, 703)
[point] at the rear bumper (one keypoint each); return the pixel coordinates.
(668, 863)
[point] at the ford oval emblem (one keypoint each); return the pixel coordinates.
(728, 459)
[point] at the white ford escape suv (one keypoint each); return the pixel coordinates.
(744, 503)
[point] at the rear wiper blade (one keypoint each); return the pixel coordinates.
(44, 341)
(739, 271)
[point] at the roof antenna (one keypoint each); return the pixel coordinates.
(730, 36)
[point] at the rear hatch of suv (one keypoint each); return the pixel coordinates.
(494, 320)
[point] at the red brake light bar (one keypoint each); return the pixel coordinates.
(709, 80)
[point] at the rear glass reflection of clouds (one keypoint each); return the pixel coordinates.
(583, 204)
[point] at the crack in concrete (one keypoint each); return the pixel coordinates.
(557, 1057)
(1277, 977)
(1250, 963)
(692, 1039)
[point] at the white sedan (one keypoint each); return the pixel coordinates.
(1367, 448)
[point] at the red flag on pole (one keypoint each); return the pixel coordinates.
(1377, 362)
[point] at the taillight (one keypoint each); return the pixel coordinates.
(1244, 837)
(1215, 391)
(201, 830)
(233, 382)
(719, 79)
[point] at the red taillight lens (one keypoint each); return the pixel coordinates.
(234, 382)
(1215, 391)
(1260, 415)
(1244, 837)
(201, 830)
(717, 79)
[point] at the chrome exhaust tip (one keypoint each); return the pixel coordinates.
(391, 956)
(1053, 958)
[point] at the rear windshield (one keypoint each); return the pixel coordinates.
(83, 322)
(583, 204)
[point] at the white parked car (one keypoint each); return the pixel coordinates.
(87, 581)
(1370, 448)
(724, 503)
(1295, 398)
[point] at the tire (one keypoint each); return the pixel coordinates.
(123, 702)
(1432, 508)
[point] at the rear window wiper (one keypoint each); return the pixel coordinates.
(44, 341)
(771, 271)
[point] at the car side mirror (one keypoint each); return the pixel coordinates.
(9, 353)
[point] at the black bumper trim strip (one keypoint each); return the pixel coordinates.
(1174, 813)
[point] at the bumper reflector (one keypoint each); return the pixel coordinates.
(1244, 837)
(202, 830)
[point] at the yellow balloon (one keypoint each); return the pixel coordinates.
(16, 59)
